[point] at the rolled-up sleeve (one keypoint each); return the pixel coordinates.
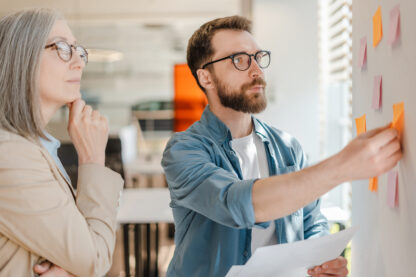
(197, 183)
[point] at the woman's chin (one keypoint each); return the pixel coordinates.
(75, 97)
(70, 100)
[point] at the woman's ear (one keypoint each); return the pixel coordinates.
(205, 78)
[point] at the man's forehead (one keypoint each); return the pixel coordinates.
(226, 42)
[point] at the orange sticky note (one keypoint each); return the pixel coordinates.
(398, 117)
(377, 27)
(373, 184)
(361, 125)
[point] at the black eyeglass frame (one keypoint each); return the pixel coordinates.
(244, 53)
(55, 44)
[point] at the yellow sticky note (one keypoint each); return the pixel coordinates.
(373, 184)
(361, 125)
(398, 117)
(377, 27)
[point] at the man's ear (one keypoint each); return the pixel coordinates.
(205, 78)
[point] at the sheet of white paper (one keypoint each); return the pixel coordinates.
(294, 259)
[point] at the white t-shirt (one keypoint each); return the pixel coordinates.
(253, 162)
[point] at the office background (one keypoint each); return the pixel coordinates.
(135, 44)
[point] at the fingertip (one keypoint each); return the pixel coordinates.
(395, 131)
(39, 268)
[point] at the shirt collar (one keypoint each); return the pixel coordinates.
(260, 130)
(222, 133)
(52, 144)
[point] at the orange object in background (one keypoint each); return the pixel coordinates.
(189, 100)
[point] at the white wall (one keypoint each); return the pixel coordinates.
(385, 244)
(290, 30)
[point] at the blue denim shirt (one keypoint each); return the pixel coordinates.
(212, 204)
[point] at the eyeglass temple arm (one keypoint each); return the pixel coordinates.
(228, 57)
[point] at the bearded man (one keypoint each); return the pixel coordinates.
(235, 182)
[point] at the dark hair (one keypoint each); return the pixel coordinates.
(199, 45)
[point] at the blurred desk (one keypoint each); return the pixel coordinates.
(142, 166)
(147, 168)
(140, 208)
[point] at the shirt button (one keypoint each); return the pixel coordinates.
(245, 253)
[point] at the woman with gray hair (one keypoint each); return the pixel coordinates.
(41, 217)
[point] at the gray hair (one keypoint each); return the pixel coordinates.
(23, 36)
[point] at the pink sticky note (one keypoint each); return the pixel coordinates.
(362, 59)
(394, 32)
(377, 92)
(392, 189)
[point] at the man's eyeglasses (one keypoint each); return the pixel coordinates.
(242, 61)
(64, 50)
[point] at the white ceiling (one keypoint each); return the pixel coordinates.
(131, 9)
(149, 33)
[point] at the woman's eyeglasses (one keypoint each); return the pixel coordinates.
(64, 50)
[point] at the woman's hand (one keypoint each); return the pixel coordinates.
(47, 269)
(88, 130)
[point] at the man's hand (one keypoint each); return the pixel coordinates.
(370, 154)
(47, 269)
(334, 268)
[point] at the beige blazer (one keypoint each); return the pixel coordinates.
(42, 218)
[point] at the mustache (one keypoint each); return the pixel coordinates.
(257, 81)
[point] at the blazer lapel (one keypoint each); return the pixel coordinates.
(57, 171)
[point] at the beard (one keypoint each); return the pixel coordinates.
(239, 99)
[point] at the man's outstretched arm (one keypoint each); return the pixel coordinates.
(368, 155)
